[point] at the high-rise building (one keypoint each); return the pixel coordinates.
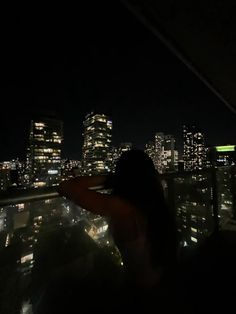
(194, 219)
(223, 156)
(194, 148)
(150, 150)
(165, 155)
(169, 155)
(97, 143)
(224, 159)
(11, 174)
(44, 155)
(124, 147)
(70, 168)
(159, 139)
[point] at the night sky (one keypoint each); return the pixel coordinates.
(97, 56)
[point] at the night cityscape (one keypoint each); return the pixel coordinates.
(74, 99)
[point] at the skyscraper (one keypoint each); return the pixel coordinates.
(159, 139)
(169, 154)
(44, 154)
(97, 143)
(222, 156)
(150, 150)
(194, 148)
(166, 156)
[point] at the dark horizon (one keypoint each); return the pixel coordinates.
(103, 59)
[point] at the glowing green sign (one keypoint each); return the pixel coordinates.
(227, 148)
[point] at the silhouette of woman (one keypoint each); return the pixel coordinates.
(140, 221)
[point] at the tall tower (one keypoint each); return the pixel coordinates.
(170, 154)
(194, 148)
(150, 150)
(159, 140)
(44, 155)
(97, 143)
(166, 156)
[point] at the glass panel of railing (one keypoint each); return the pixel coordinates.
(190, 196)
(43, 240)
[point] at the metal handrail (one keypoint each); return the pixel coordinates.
(27, 195)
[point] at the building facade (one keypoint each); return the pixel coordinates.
(116, 152)
(163, 153)
(97, 144)
(223, 156)
(194, 156)
(44, 154)
(150, 150)
(170, 155)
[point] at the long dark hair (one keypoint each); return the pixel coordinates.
(137, 181)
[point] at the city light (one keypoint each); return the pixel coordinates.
(227, 148)
(27, 258)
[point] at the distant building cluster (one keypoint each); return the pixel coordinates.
(44, 165)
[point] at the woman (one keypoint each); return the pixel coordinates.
(140, 222)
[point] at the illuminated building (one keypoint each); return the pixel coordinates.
(70, 168)
(194, 148)
(223, 156)
(150, 150)
(116, 152)
(164, 155)
(96, 228)
(159, 139)
(112, 157)
(44, 157)
(194, 217)
(169, 155)
(11, 174)
(3, 218)
(97, 143)
(124, 147)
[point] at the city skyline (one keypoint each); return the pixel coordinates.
(179, 140)
(130, 76)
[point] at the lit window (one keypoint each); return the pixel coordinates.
(39, 184)
(101, 120)
(27, 258)
(194, 240)
(40, 124)
(47, 150)
(21, 206)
